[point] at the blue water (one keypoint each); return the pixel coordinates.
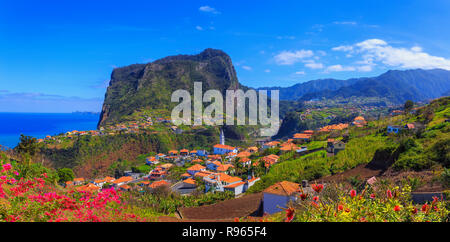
(40, 125)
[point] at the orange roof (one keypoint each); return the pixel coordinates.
(106, 179)
(173, 151)
(302, 136)
(197, 160)
(186, 175)
(308, 132)
(252, 149)
(158, 184)
(284, 188)
(235, 185)
(244, 154)
(272, 143)
(245, 159)
(184, 151)
(196, 167)
(78, 179)
(203, 173)
(253, 179)
(288, 146)
(88, 188)
(224, 167)
(123, 179)
(226, 147)
(359, 118)
(125, 186)
(217, 157)
(190, 181)
(151, 158)
(193, 151)
(228, 179)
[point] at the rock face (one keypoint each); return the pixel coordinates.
(150, 86)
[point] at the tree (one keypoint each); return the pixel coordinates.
(65, 174)
(408, 106)
(27, 145)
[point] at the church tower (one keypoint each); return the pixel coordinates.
(222, 137)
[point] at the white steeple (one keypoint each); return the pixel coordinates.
(222, 137)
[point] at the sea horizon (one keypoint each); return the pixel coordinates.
(39, 125)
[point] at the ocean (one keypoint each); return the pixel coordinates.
(40, 125)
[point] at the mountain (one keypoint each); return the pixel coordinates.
(298, 90)
(395, 85)
(150, 86)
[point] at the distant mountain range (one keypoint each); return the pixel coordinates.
(395, 85)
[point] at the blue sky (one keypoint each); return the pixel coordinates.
(57, 56)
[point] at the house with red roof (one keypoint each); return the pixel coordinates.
(195, 168)
(220, 149)
(279, 195)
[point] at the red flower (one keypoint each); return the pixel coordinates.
(340, 207)
(397, 208)
(317, 188)
(352, 193)
(363, 219)
(424, 208)
(389, 193)
(236, 219)
(414, 211)
(290, 214)
(303, 196)
(316, 198)
(372, 195)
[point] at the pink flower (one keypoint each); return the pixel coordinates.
(7, 167)
(372, 195)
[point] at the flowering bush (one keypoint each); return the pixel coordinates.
(373, 204)
(36, 200)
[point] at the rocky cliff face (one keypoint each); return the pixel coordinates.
(150, 86)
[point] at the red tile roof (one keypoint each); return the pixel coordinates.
(284, 188)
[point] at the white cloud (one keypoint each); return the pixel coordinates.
(343, 48)
(338, 68)
(314, 65)
(248, 68)
(345, 22)
(379, 51)
(267, 70)
(364, 68)
(199, 28)
(208, 9)
(300, 73)
(291, 57)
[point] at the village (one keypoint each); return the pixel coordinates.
(216, 171)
